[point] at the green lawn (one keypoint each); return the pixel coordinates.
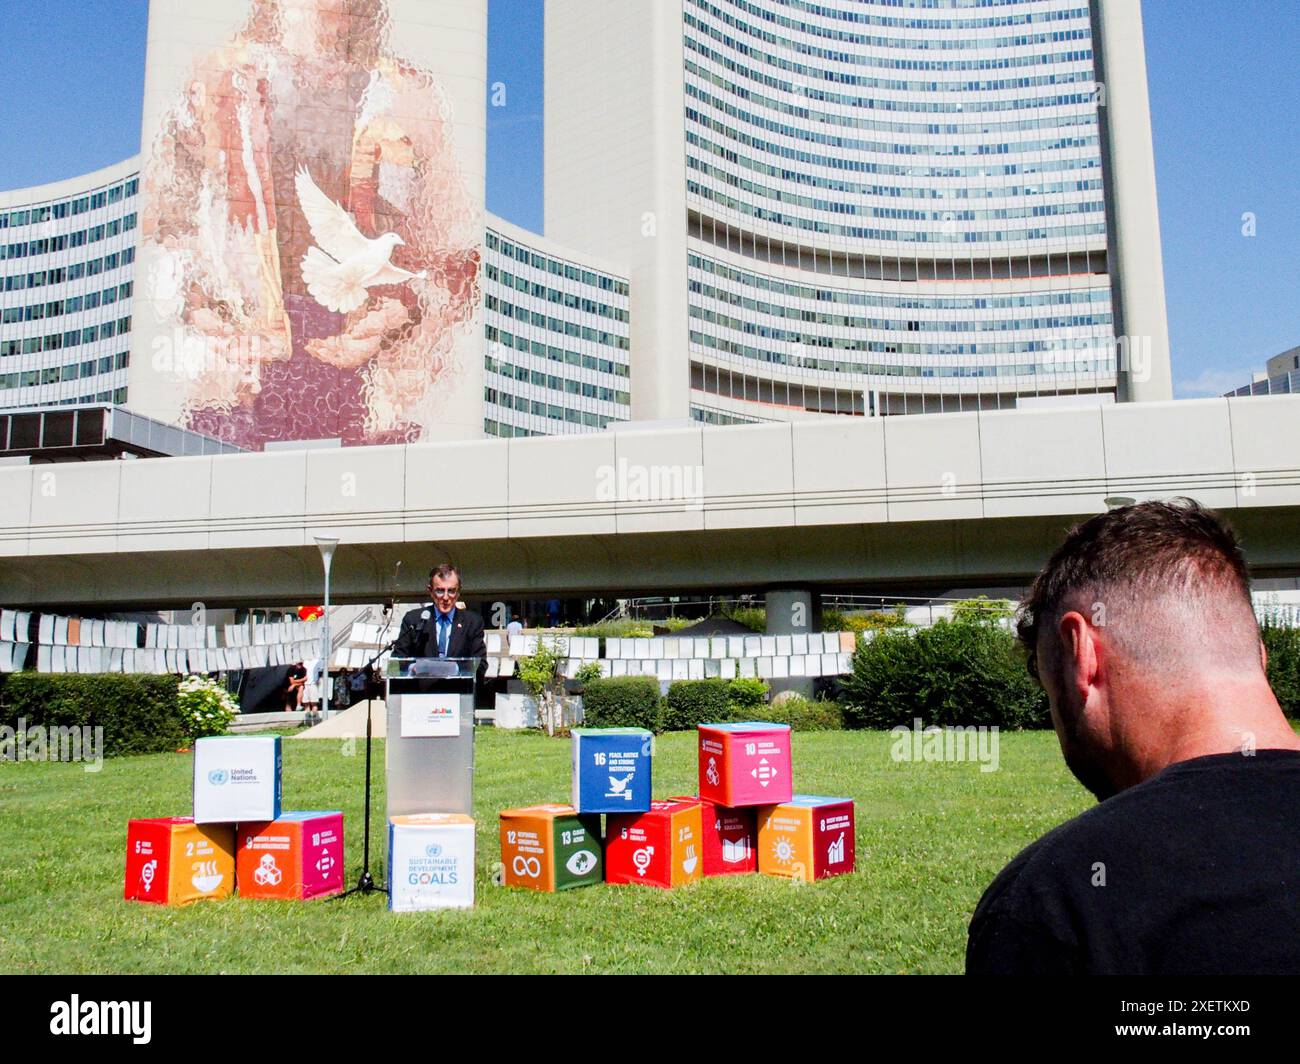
(929, 839)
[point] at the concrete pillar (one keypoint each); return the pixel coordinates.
(793, 611)
(1132, 214)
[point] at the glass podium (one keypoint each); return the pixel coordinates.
(429, 752)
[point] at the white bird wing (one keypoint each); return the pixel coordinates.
(331, 228)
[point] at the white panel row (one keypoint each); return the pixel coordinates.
(164, 660)
(731, 646)
(242, 635)
(14, 625)
(778, 667)
(12, 656)
(371, 635)
(357, 657)
(525, 645)
(72, 631)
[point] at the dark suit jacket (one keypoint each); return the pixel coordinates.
(418, 636)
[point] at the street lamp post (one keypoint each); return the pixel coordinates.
(326, 545)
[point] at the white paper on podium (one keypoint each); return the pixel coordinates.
(430, 715)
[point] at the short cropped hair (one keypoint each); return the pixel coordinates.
(1127, 559)
(446, 570)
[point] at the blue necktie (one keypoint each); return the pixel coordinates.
(444, 626)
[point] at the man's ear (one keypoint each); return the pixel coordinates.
(1080, 653)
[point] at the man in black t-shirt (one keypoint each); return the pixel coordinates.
(1141, 630)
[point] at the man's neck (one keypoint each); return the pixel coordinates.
(1220, 718)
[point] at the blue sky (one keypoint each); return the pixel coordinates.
(1225, 111)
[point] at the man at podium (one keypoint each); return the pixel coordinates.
(441, 629)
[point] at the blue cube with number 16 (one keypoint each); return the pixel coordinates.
(611, 770)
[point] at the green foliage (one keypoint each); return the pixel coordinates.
(1283, 647)
(981, 610)
(864, 621)
(537, 672)
(622, 702)
(748, 694)
(693, 702)
(587, 673)
(801, 714)
(626, 628)
(207, 708)
(139, 714)
(754, 617)
(955, 673)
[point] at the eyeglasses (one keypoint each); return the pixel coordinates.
(445, 592)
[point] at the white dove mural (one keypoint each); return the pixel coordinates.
(344, 264)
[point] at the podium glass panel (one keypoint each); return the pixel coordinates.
(429, 752)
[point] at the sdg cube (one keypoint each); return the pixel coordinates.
(661, 847)
(173, 861)
(430, 862)
(745, 763)
(550, 848)
(611, 770)
(298, 856)
(236, 778)
(808, 837)
(730, 838)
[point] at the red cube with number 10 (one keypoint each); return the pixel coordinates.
(745, 764)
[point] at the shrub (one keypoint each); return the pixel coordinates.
(754, 617)
(954, 673)
(802, 714)
(1283, 646)
(622, 702)
(982, 610)
(139, 714)
(747, 694)
(865, 621)
(207, 708)
(693, 702)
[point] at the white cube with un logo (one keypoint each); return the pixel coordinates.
(430, 862)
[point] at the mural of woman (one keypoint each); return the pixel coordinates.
(311, 234)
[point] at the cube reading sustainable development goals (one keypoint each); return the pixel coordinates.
(730, 838)
(430, 862)
(236, 778)
(173, 861)
(550, 848)
(298, 856)
(661, 847)
(746, 763)
(611, 770)
(808, 837)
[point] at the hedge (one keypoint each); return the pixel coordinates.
(802, 714)
(139, 714)
(621, 702)
(693, 702)
(955, 673)
(1283, 647)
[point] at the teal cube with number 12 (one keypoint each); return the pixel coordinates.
(612, 770)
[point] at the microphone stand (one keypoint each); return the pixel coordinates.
(366, 882)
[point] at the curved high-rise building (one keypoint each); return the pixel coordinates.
(862, 206)
(67, 271)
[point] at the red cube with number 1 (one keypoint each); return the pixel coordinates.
(745, 764)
